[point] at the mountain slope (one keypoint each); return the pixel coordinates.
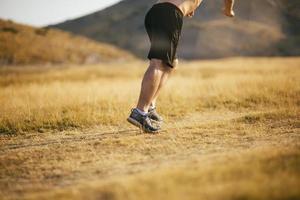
(261, 28)
(20, 44)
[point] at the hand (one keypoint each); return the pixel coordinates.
(228, 12)
(191, 14)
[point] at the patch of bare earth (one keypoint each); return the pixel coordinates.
(194, 156)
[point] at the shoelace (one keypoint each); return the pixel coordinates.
(147, 119)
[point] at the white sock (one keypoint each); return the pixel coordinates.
(151, 107)
(141, 112)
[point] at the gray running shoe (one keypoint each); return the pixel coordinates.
(142, 121)
(154, 115)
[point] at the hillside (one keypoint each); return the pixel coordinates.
(261, 28)
(21, 44)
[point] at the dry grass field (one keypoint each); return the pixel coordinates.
(232, 132)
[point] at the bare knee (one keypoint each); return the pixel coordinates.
(160, 65)
(170, 69)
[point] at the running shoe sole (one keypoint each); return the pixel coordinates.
(139, 125)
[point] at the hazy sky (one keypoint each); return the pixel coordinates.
(45, 12)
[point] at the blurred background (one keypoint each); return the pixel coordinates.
(70, 72)
(114, 30)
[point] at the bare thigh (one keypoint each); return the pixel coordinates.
(161, 65)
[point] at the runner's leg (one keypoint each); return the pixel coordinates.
(165, 76)
(150, 84)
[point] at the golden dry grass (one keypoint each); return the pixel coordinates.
(232, 132)
(103, 94)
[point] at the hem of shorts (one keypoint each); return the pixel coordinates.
(168, 63)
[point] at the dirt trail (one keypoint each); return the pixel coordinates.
(187, 122)
(39, 162)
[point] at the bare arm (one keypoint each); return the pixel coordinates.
(228, 9)
(196, 5)
(198, 2)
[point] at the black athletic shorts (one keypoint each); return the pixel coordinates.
(163, 23)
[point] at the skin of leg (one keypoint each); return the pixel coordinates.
(163, 80)
(150, 84)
